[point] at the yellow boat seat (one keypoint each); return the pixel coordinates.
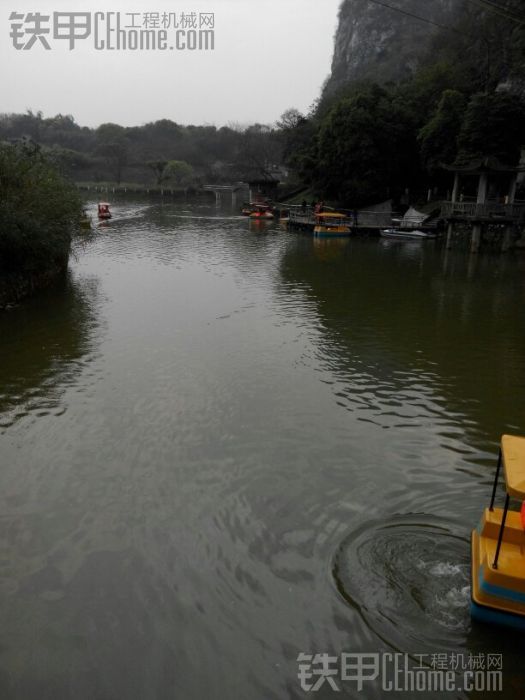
(513, 457)
(491, 524)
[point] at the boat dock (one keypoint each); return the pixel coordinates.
(303, 219)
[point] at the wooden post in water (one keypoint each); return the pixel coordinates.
(508, 235)
(454, 199)
(450, 234)
(475, 240)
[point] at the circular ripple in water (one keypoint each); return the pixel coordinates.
(408, 577)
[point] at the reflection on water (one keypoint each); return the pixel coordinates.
(46, 343)
(409, 319)
(223, 444)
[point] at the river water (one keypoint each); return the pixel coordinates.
(223, 445)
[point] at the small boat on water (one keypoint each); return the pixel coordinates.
(407, 235)
(498, 546)
(331, 224)
(262, 212)
(103, 211)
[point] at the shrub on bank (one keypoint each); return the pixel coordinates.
(39, 210)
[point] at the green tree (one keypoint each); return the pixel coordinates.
(67, 161)
(179, 172)
(421, 95)
(113, 145)
(299, 143)
(259, 150)
(438, 138)
(38, 210)
(494, 125)
(290, 120)
(158, 167)
(366, 148)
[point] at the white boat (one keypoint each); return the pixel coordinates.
(407, 235)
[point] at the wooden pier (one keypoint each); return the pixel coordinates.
(303, 219)
(489, 212)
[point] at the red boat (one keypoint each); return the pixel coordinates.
(103, 210)
(262, 211)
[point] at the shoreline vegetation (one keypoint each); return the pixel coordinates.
(39, 212)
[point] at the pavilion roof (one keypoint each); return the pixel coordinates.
(486, 164)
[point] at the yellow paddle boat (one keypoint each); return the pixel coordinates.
(498, 546)
(331, 224)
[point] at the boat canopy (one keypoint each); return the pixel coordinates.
(331, 215)
(413, 218)
(513, 454)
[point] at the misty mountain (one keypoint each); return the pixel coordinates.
(376, 42)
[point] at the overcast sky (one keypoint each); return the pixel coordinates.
(269, 55)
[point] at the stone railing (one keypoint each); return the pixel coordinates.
(489, 210)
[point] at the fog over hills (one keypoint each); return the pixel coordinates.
(379, 43)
